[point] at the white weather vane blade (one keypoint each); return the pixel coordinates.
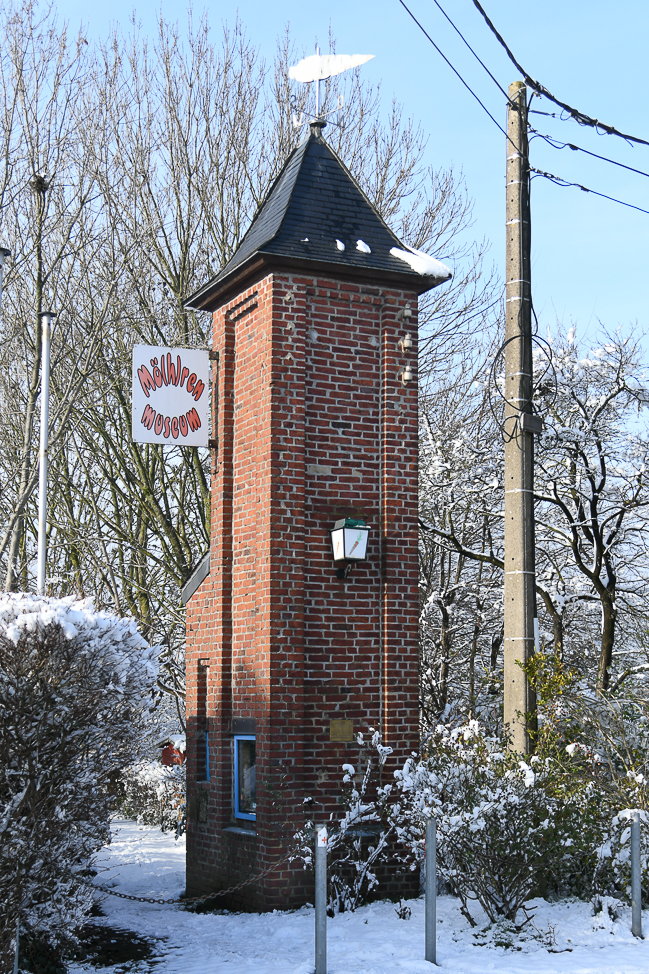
(319, 67)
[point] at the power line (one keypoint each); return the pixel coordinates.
(476, 56)
(564, 183)
(558, 180)
(542, 90)
(456, 72)
(557, 144)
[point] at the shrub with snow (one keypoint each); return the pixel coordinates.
(613, 873)
(363, 837)
(509, 827)
(155, 794)
(76, 687)
(502, 823)
(597, 745)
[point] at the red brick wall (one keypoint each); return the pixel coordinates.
(303, 415)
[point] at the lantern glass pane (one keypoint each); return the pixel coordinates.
(338, 544)
(355, 543)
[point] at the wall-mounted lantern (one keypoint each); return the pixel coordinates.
(406, 375)
(405, 343)
(349, 543)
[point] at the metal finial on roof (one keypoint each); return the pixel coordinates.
(320, 67)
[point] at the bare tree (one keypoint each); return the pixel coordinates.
(591, 485)
(591, 510)
(461, 594)
(49, 218)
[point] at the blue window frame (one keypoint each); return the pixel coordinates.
(245, 790)
(202, 756)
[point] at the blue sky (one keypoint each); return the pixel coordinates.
(588, 254)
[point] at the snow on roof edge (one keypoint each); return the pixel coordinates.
(422, 263)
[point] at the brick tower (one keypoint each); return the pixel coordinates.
(313, 423)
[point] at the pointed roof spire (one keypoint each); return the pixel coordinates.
(316, 217)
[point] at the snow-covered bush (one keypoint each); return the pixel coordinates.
(155, 794)
(502, 824)
(598, 747)
(363, 837)
(509, 827)
(75, 691)
(613, 874)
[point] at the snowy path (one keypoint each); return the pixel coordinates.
(371, 941)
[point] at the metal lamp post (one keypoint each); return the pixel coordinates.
(47, 317)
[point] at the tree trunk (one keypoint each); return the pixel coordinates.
(445, 643)
(609, 618)
(557, 622)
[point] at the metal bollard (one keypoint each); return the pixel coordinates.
(431, 891)
(321, 902)
(636, 877)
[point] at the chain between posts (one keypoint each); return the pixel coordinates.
(190, 899)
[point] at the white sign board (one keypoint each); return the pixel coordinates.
(171, 395)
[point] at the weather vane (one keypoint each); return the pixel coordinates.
(320, 67)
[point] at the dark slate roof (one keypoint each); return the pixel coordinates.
(199, 575)
(314, 202)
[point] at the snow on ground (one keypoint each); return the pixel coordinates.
(565, 937)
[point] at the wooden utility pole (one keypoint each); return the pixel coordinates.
(520, 425)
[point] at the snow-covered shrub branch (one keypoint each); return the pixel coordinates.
(363, 837)
(75, 691)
